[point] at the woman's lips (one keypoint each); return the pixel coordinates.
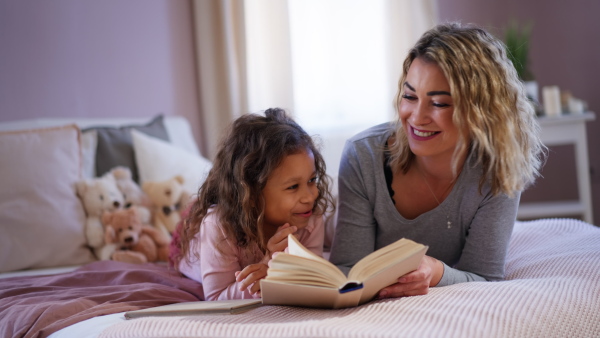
(422, 135)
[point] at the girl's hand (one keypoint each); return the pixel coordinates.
(249, 278)
(416, 282)
(278, 242)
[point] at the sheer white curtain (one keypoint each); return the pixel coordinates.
(333, 64)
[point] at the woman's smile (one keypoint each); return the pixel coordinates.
(423, 135)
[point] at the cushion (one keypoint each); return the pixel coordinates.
(41, 217)
(158, 161)
(89, 143)
(115, 147)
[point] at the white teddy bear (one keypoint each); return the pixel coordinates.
(99, 195)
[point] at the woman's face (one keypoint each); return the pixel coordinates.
(426, 108)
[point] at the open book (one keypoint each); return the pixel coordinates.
(302, 278)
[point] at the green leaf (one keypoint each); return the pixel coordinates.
(517, 40)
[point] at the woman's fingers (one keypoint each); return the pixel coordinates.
(413, 283)
(404, 290)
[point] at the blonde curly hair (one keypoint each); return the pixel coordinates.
(495, 119)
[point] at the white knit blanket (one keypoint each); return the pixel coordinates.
(552, 290)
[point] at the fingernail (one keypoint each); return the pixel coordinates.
(402, 280)
(383, 294)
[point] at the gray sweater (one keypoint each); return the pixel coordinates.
(472, 249)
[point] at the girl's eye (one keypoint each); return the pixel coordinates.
(313, 180)
(295, 186)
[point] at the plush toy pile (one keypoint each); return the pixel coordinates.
(115, 205)
(133, 241)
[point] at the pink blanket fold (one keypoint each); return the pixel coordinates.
(41, 305)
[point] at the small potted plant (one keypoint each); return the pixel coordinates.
(517, 40)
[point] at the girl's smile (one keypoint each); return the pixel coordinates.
(304, 214)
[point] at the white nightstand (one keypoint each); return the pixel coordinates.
(565, 130)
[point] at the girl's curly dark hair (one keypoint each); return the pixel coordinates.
(253, 147)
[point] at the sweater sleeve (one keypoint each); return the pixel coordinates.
(484, 253)
(219, 259)
(356, 228)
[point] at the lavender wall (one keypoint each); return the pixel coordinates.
(71, 58)
(565, 51)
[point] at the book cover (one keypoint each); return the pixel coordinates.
(234, 306)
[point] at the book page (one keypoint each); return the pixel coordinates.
(381, 259)
(297, 249)
(286, 266)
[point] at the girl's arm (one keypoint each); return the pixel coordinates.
(220, 259)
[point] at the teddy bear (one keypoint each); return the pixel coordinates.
(133, 194)
(97, 196)
(169, 198)
(135, 242)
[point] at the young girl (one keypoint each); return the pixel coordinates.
(268, 181)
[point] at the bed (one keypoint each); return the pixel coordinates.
(552, 289)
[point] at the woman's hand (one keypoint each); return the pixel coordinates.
(249, 278)
(278, 242)
(416, 282)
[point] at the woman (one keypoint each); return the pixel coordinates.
(450, 172)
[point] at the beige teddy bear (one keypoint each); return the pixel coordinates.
(133, 194)
(135, 242)
(168, 197)
(97, 196)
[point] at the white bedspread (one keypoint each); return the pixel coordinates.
(552, 290)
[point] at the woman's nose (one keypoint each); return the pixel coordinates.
(420, 115)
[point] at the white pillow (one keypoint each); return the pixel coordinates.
(158, 160)
(89, 143)
(41, 217)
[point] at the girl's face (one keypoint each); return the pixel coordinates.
(426, 110)
(291, 191)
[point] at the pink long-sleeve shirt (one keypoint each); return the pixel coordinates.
(219, 257)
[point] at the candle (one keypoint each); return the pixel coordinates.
(551, 95)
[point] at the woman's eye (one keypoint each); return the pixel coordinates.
(409, 97)
(441, 105)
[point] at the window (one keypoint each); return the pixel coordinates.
(341, 76)
(334, 64)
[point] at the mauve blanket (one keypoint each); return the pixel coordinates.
(41, 305)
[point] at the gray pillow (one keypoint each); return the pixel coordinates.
(115, 145)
